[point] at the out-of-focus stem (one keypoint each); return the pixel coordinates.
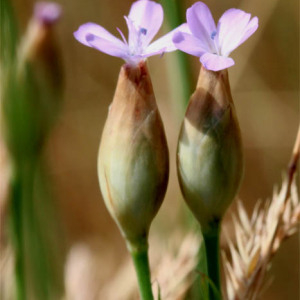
(141, 264)
(212, 244)
(180, 77)
(22, 192)
(16, 229)
(8, 33)
(176, 16)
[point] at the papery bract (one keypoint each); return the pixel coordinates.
(213, 44)
(144, 21)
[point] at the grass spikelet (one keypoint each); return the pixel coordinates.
(258, 238)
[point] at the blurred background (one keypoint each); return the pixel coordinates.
(265, 88)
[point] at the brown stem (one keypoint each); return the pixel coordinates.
(293, 163)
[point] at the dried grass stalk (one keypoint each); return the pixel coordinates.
(258, 238)
(175, 273)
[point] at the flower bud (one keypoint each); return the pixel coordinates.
(209, 153)
(32, 85)
(40, 55)
(133, 162)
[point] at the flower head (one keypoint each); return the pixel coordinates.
(213, 44)
(47, 12)
(144, 20)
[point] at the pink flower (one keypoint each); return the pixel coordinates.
(144, 20)
(214, 44)
(47, 12)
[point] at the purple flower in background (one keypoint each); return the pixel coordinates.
(47, 12)
(144, 20)
(214, 44)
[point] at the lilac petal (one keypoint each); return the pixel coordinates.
(148, 15)
(215, 62)
(165, 43)
(96, 30)
(202, 24)
(250, 29)
(188, 43)
(231, 29)
(107, 46)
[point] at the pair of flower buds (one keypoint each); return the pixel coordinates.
(133, 162)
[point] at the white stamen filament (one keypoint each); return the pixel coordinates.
(215, 43)
(137, 48)
(122, 35)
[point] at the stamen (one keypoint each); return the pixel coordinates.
(143, 31)
(214, 33)
(215, 42)
(122, 35)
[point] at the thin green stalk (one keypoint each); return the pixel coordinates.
(212, 244)
(31, 257)
(17, 237)
(141, 264)
(175, 15)
(180, 78)
(33, 232)
(22, 193)
(8, 34)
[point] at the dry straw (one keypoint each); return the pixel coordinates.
(258, 238)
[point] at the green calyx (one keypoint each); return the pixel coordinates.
(133, 162)
(209, 154)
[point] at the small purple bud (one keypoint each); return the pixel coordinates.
(47, 12)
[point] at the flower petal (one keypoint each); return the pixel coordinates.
(107, 46)
(165, 43)
(215, 62)
(188, 43)
(202, 24)
(232, 28)
(96, 30)
(250, 29)
(148, 15)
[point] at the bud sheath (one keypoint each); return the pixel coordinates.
(133, 160)
(209, 154)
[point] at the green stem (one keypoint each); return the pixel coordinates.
(22, 192)
(29, 217)
(141, 264)
(8, 33)
(212, 245)
(17, 237)
(175, 15)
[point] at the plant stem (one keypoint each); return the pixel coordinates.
(141, 264)
(22, 192)
(212, 245)
(17, 237)
(175, 15)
